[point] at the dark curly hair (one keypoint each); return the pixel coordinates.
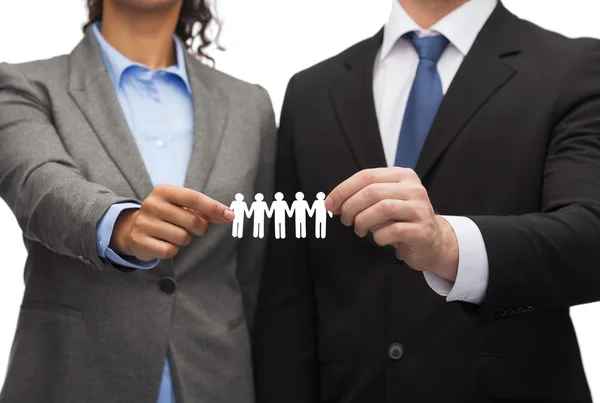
(194, 14)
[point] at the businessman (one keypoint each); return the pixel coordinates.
(461, 146)
(115, 160)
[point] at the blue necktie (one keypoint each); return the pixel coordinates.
(424, 100)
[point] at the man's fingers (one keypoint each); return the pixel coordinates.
(373, 194)
(384, 211)
(385, 224)
(356, 182)
(215, 211)
(396, 233)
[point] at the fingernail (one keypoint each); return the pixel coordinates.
(329, 204)
(230, 215)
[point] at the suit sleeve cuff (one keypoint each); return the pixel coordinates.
(129, 261)
(473, 271)
(104, 233)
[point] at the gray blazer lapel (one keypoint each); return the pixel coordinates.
(93, 92)
(210, 115)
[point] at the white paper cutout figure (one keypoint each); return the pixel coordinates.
(280, 207)
(320, 212)
(280, 210)
(240, 209)
(258, 209)
(300, 209)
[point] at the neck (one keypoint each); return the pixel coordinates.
(144, 37)
(427, 12)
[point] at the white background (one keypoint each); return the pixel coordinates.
(267, 41)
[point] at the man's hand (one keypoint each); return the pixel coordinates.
(166, 221)
(393, 205)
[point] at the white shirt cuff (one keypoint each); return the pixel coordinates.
(473, 270)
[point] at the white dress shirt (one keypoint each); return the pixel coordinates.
(394, 72)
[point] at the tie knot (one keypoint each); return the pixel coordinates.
(429, 47)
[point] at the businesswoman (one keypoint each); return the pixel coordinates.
(118, 161)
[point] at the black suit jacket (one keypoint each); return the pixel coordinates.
(515, 146)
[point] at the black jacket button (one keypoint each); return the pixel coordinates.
(396, 351)
(167, 285)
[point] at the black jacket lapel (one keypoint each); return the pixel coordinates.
(352, 97)
(481, 74)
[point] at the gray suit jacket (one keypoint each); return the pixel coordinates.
(91, 332)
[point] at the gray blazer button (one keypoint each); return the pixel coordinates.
(167, 285)
(396, 351)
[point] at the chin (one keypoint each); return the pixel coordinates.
(147, 5)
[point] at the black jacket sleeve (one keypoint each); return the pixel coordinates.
(552, 258)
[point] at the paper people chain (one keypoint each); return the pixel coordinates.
(279, 210)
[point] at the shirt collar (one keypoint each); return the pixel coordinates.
(460, 27)
(116, 63)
